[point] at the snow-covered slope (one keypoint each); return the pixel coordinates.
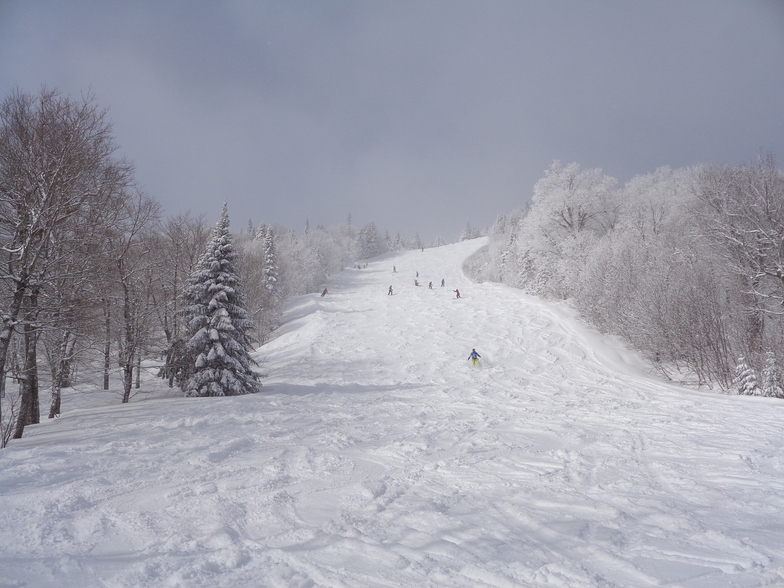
(377, 456)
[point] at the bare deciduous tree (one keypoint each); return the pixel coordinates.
(56, 171)
(128, 259)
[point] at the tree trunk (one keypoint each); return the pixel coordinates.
(9, 323)
(128, 351)
(127, 381)
(29, 410)
(107, 350)
(66, 359)
(62, 376)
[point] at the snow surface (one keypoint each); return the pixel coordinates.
(376, 456)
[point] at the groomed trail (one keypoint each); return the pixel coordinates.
(377, 456)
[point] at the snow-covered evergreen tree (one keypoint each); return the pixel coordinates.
(273, 291)
(217, 323)
(369, 241)
(261, 232)
(468, 233)
(746, 378)
(771, 377)
(271, 279)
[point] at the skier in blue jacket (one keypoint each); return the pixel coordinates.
(474, 357)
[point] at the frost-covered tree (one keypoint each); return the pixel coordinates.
(771, 377)
(217, 322)
(416, 242)
(743, 212)
(299, 263)
(469, 233)
(571, 209)
(439, 242)
(269, 317)
(271, 278)
(746, 378)
(370, 243)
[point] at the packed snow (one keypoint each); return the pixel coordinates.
(375, 455)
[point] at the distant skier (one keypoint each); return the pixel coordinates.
(417, 274)
(390, 291)
(474, 357)
(442, 282)
(394, 269)
(457, 293)
(430, 285)
(324, 293)
(416, 282)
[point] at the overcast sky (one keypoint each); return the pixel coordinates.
(418, 115)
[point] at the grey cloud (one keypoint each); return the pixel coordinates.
(416, 115)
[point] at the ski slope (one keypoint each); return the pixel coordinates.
(376, 456)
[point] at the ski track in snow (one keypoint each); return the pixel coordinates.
(377, 456)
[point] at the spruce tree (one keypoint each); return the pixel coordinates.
(771, 378)
(368, 241)
(217, 324)
(272, 296)
(745, 378)
(271, 279)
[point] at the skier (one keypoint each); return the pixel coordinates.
(442, 282)
(430, 285)
(416, 282)
(390, 291)
(324, 293)
(457, 292)
(474, 357)
(394, 269)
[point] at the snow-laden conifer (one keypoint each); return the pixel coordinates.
(271, 278)
(217, 323)
(746, 378)
(771, 377)
(370, 243)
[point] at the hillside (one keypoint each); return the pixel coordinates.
(377, 456)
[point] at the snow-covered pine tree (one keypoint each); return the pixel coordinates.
(261, 232)
(271, 279)
(217, 323)
(468, 233)
(273, 292)
(745, 378)
(369, 241)
(771, 377)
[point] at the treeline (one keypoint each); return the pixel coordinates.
(685, 265)
(91, 273)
